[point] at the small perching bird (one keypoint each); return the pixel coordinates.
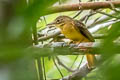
(76, 31)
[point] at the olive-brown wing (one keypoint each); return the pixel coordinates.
(80, 27)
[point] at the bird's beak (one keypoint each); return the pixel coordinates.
(52, 24)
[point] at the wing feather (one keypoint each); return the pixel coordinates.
(83, 30)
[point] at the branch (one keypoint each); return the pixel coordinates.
(83, 6)
(61, 48)
(96, 36)
(79, 74)
(48, 36)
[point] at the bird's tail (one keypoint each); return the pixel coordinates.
(91, 60)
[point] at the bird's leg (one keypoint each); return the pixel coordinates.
(78, 43)
(69, 42)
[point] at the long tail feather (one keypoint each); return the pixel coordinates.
(91, 60)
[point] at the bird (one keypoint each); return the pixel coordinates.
(76, 31)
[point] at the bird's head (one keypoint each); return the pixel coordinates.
(60, 21)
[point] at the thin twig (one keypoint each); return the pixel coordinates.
(88, 15)
(44, 68)
(63, 65)
(116, 10)
(74, 61)
(57, 67)
(107, 14)
(40, 68)
(45, 19)
(81, 62)
(78, 14)
(96, 19)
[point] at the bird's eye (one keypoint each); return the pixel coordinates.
(58, 21)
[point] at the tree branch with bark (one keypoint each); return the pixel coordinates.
(83, 6)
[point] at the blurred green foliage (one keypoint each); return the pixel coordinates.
(16, 19)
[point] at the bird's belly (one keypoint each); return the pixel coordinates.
(74, 35)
